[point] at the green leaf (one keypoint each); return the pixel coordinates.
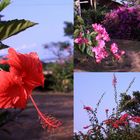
(93, 34)
(89, 51)
(4, 67)
(12, 27)
(4, 4)
(80, 20)
(82, 47)
(3, 46)
(76, 33)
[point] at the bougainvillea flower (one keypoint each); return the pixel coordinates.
(25, 74)
(102, 33)
(100, 53)
(116, 52)
(81, 40)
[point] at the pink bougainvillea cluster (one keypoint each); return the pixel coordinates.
(96, 42)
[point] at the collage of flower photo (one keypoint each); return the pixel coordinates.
(69, 69)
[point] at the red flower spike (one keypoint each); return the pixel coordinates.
(17, 85)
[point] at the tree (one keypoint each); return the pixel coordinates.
(68, 29)
(62, 67)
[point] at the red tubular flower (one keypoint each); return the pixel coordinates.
(108, 122)
(86, 127)
(88, 108)
(25, 74)
(135, 119)
(124, 117)
(116, 124)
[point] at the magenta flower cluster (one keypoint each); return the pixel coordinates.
(123, 23)
(99, 50)
(102, 36)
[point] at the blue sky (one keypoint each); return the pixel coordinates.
(50, 14)
(88, 88)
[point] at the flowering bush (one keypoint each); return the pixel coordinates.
(93, 42)
(117, 125)
(62, 75)
(123, 23)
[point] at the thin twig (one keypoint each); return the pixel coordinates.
(97, 105)
(130, 85)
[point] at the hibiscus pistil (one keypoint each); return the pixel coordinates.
(46, 121)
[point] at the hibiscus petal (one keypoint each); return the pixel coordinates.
(12, 94)
(28, 66)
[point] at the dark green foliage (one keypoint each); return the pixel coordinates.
(3, 117)
(91, 16)
(3, 46)
(68, 29)
(130, 104)
(59, 76)
(62, 75)
(4, 67)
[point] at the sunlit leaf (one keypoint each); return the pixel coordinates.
(4, 4)
(12, 27)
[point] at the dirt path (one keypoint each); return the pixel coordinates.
(130, 62)
(27, 125)
(135, 57)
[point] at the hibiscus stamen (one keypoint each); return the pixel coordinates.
(46, 121)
